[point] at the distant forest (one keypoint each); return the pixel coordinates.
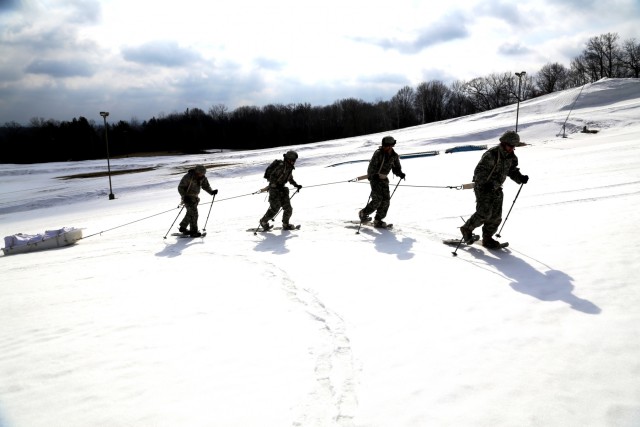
(273, 125)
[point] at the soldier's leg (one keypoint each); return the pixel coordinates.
(192, 214)
(375, 201)
(484, 209)
(186, 220)
(385, 201)
(492, 223)
(190, 217)
(285, 202)
(274, 205)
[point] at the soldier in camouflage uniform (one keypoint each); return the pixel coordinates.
(384, 160)
(189, 188)
(278, 193)
(494, 167)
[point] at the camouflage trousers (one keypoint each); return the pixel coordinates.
(278, 198)
(488, 211)
(380, 199)
(191, 217)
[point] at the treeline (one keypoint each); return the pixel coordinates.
(279, 125)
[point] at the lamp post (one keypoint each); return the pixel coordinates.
(520, 75)
(104, 115)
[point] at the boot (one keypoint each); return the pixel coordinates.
(183, 230)
(195, 233)
(489, 242)
(265, 225)
(287, 226)
(467, 235)
(363, 217)
(378, 223)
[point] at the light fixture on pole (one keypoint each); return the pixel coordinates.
(104, 115)
(520, 76)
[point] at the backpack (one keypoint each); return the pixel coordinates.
(271, 168)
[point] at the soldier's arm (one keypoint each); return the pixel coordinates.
(206, 186)
(514, 171)
(484, 168)
(374, 165)
(184, 184)
(396, 166)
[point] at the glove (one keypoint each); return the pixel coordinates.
(524, 179)
(299, 187)
(214, 192)
(402, 175)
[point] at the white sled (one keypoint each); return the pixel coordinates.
(22, 243)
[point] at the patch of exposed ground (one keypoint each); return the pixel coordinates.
(105, 173)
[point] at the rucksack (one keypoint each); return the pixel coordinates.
(271, 168)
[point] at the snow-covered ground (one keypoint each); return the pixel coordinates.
(323, 326)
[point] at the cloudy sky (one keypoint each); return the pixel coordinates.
(139, 58)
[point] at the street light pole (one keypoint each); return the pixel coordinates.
(520, 76)
(104, 115)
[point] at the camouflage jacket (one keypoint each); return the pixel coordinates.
(494, 167)
(190, 185)
(382, 164)
(282, 174)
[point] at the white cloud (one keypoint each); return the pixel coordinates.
(144, 57)
(163, 53)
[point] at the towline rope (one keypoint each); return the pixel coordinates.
(356, 180)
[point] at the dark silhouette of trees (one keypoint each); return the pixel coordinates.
(250, 127)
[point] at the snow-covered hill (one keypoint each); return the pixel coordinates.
(326, 327)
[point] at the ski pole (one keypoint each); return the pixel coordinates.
(174, 221)
(207, 220)
(255, 232)
(280, 210)
(455, 252)
(394, 190)
(360, 225)
(514, 202)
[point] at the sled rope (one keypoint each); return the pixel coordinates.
(129, 223)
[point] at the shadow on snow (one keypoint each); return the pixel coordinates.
(552, 285)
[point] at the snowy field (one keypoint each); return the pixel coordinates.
(323, 326)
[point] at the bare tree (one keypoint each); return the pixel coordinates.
(492, 91)
(552, 77)
(478, 92)
(602, 56)
(459, 103)
(421, 101)
(502, 89)
(219, 112)
(430, 101)
(631, 57)
(403, 103)
(579, 73)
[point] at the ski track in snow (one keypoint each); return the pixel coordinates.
(335, 371)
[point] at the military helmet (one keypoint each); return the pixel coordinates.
(388, 141)
(201, 169)
(510, 138)
(290, 155)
